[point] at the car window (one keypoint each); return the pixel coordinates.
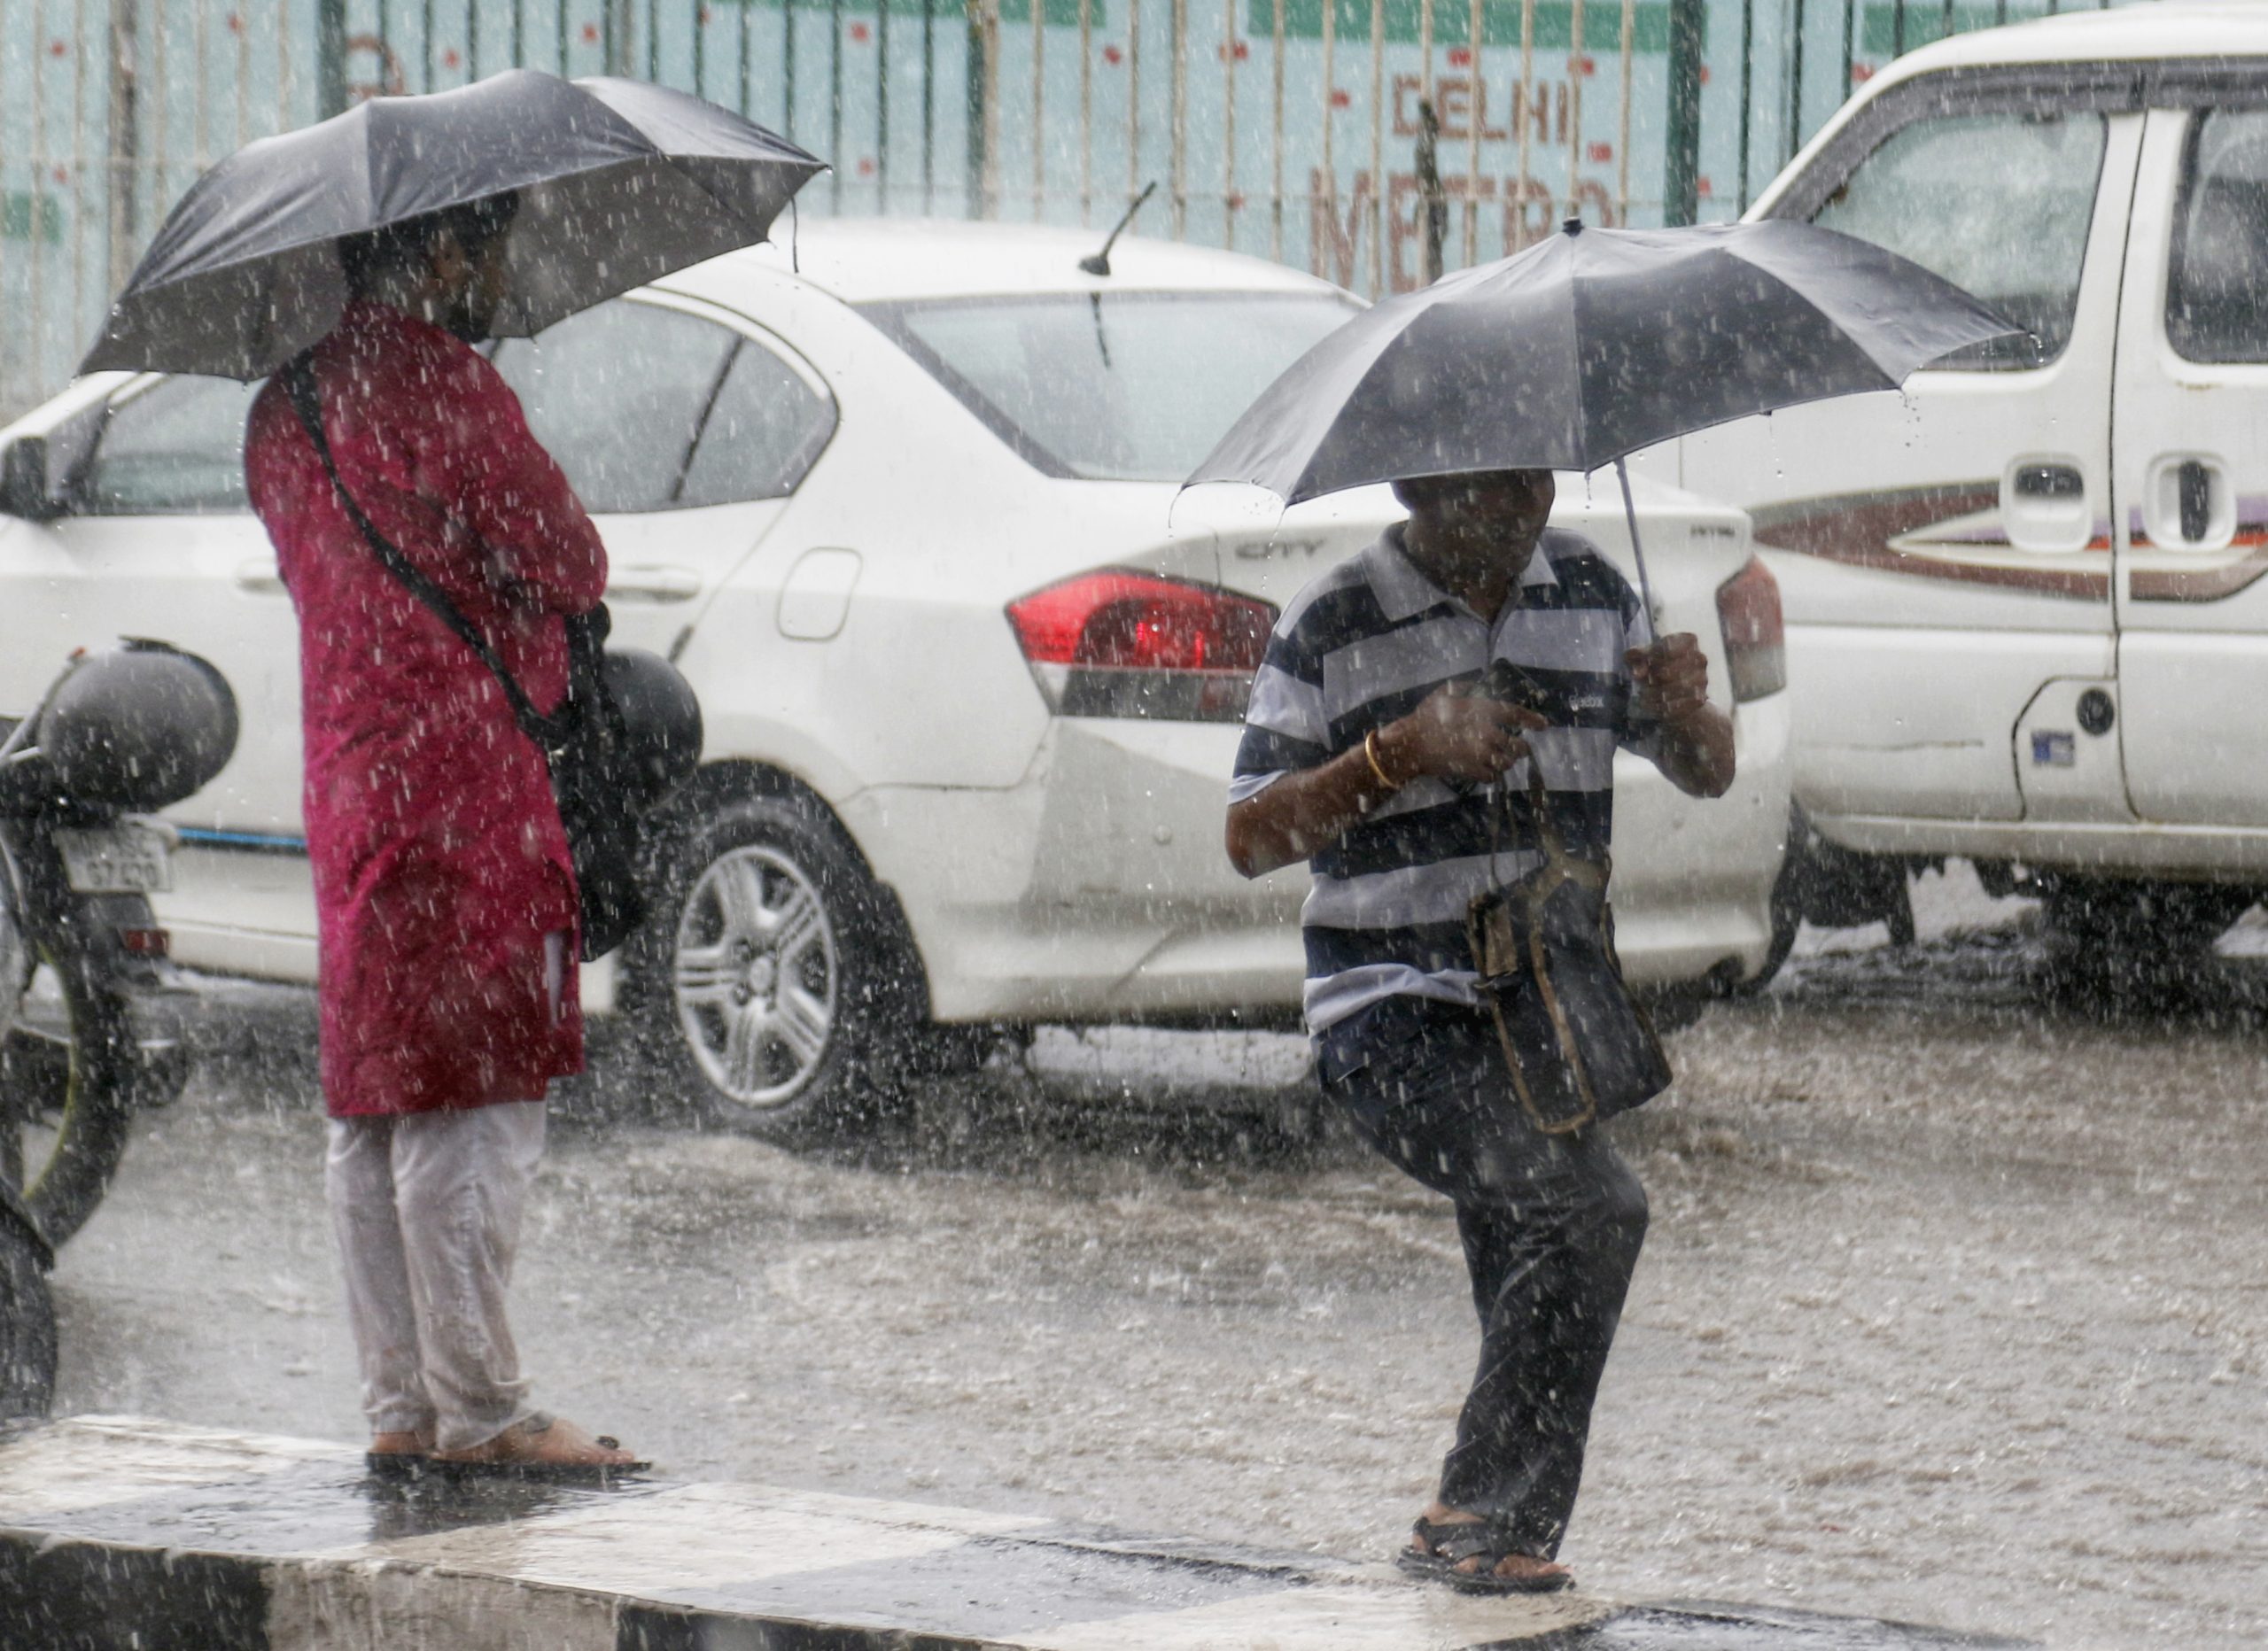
(2216, 287)
(615, 395)
(176, 448)
(763, 430)
(1999, 204)
(1134, 386)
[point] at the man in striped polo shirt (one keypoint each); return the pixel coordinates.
(1370, 752)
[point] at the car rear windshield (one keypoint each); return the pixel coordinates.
(1134, 386)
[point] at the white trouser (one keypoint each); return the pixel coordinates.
(427, 1210)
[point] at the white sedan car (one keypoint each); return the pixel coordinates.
(906, 514)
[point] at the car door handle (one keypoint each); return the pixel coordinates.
(260, 573)
(2049, 481)
(655, 584)
(2044, 505)
(2195, 484)
(2187, 503)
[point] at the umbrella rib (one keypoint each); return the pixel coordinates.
(1582, 431)
(732, 209)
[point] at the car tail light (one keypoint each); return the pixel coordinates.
(1756, 639)
(1117, 643)
(146, 942)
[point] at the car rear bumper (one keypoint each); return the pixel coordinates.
(1097, 889)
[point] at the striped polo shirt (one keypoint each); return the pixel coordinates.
(1363, 645)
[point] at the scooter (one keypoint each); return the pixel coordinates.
(120, 732)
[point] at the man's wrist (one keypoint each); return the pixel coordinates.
(1388, 761)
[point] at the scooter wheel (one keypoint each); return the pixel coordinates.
(68, 1092)
(26, 1328)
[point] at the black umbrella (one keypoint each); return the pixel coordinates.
(618, 183)
(1591, 345)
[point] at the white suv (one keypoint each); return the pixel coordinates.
(972, 673)
(2028, 601)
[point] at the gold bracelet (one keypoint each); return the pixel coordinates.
(1371, 752)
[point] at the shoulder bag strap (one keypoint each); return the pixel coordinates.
(1549, 842)
(548, 731)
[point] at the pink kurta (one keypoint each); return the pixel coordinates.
(440, 861)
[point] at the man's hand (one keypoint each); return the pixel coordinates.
(1673, 676)
(1697, 744)
(1456, 735)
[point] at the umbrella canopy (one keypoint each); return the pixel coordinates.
(618, 182)
(1593, 345)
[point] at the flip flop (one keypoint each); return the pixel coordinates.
(542, 1472)
(539, 1472)
(1450, 1543)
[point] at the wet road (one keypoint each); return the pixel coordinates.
(1955, 1305)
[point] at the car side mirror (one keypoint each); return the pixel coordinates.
(23, 479)
(41, 470)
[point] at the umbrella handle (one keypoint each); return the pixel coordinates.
(1637, 550)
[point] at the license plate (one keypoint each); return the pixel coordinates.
(125, 859)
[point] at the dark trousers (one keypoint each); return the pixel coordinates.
(1551, 1226)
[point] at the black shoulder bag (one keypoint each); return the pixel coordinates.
(1578, 1046)
(603, 788)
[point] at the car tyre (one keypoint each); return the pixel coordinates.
(771, 981)
(2110, 933)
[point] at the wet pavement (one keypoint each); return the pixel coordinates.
(123, 1531)
(1954, 1307)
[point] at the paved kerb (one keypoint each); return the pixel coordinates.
(121, 1531)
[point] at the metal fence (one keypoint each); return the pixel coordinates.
(1286, 128)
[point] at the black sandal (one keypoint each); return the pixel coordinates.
(1450, 1543)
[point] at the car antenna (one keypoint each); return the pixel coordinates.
(1098, 263)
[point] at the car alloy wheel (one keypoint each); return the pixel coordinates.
(757, 973)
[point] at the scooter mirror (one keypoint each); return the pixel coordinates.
(134, 728)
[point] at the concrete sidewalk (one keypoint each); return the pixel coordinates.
(118, 1531)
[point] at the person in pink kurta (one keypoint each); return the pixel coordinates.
(440, 865)
(446, 896)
